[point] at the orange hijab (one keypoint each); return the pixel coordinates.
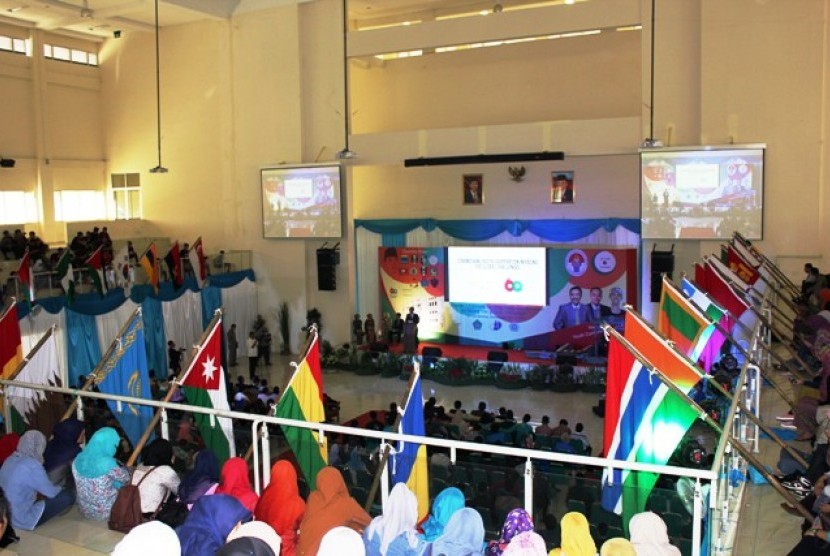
(281, 507)
(236, 482)
(328, 507)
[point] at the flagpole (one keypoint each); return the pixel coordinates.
(373, 490)
(174, 385)
(776, 287)
(765, 261)
(99, 366)
(706, 417)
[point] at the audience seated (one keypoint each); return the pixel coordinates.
(576, 537)
(448, 501)
(617, 546)
(649, 535)
(341, 541)
(62, 449)
(526, 544)
(256, 530)
(209, 523)
(329, 506)
(463, 534)
(203, 479)
(235, 481)
(281, 506)
(23, 480)
(517, 521)
(161, 480)
(154, 538)
(396, 524)
(98, 475)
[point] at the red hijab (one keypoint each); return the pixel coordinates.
(281, 507)
(236, 482)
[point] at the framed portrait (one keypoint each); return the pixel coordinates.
(473, 189)
(562, 187)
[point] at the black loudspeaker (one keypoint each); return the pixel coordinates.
(429, 356)
(495, 361)
(662, 262)
(327, 260)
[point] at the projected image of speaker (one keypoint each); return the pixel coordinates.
(430, 356)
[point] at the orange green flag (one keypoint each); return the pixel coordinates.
(680, 322)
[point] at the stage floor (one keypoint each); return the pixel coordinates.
(479, 353)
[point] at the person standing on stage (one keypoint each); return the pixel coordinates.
(233, 346)
(410, 334)
(253, 354)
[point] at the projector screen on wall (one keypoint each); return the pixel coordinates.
(497, 275)
(301, 201)
(702, 192)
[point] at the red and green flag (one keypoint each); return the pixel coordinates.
(95, 265)
(303, 401)
(680, 322)
(11, 346)
(25, 277)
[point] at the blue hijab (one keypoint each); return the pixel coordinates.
(97, 458)
(463, 535)
(204, 474)
(64, 446)
(209, 523)
(448, 501)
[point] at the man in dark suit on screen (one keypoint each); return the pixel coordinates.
(573, 313)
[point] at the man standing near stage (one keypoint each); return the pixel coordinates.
(573, 313)
(410, 331)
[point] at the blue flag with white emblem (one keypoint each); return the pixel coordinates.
(125, 373)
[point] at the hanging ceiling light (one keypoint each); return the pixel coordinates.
(346, 153)
(159, 169)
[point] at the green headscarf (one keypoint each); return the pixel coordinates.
(96, 459)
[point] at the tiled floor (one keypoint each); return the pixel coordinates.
(764, 528)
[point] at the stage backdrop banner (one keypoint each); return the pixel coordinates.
(415, 277)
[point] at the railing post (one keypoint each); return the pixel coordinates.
(165, 430)
(529, 486)
(254, 439)
(266, 456)
(384, 482)
(7, 412)
(697, 506)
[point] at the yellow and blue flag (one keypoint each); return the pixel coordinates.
(409, 463)
(125, 373)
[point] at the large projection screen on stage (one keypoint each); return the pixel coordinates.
(702, 192)
(301, 201)
(497, 275)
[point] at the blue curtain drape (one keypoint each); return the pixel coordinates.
(211, 300)
(83, 349)
(154, 337)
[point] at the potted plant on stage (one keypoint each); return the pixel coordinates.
(564, 380)
(594, 380)
(540, 377)
(328, 356)
(390, 364)
(510, 377)
(366, 364)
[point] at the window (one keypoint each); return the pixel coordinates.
(78, 206)
(10, 44)
(17, 207)
(73, 55)
(126, 194)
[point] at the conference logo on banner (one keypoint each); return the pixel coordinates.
(416, 277)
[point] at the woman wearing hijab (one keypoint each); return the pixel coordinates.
(341, 541)
(517, 521)
(62, 448)
(161, 480)
(398, 520)
(617, 546)
(204, 478)
(246, 546)
(98, 475)
(463, 535)
(236, 482)
(328, 507)
(448, 501)
(260, 531)
(576, 537)
(153, 537)
(281, 506)
(527, 543)
(23, 478)
(209, 523)
(650, 536)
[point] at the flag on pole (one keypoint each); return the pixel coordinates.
(303, 400)
(173, 258)
(123, 272)
(204, 385)
(66, 274)
(644, 422)
(724, 293)
(409, 462)
(149, 261)
(95, 266)
(699, 298)
(681, 323)
(719, 290)
(712, 351)
(196, 256)
(125, 373)
(35, 408)
(26, 278)
(11, 346)
(739, 265)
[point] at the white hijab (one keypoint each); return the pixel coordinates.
(650, 536)
(401, 515)
(341, 541)
(153, 537)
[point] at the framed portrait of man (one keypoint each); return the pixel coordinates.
(473, 189)
(562, 187)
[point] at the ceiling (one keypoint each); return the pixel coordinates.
(103, 17)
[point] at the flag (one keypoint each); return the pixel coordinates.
(66, 274)
(303, 400)
(173, 259)
(409, 463)
(719, 290)
(644, 422)
(26, 278)
(196, 256)
(35, 408)
(205, 386)
(95, 266)
(123, 271)
(149, 261)
(680, 322)
(714, 311)
(711, 353)
(124, 372)
(722, 292)
(740, 266)
(11, 346)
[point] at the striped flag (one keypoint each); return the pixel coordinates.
(11, 346)
(26, 278)
(149, 261)
(173, 259)
(95, 266)
(740, 266)
(681, 323)
(711, 353)
(409, 463)
(66, 275)
(303, 400)
(35, 408)
(196, 256)
(123, 270)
